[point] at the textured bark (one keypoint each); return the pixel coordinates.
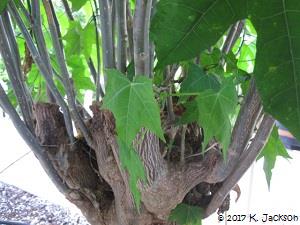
(99, 186)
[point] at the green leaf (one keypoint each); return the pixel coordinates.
(79, 40)
(270, 152)
(134, 107)
(37, 84)
(277, 70)
(3, 4)
(210, 59)
(131, 161)
(185, 214)
(81, 81)
(182, 29)
(198, 81)
(213, 111)
(88, 39)
(77, 4)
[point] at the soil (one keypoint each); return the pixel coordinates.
(21, 206)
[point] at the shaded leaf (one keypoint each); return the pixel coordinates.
(197, 81)
(209, 59)
(182, 29)
(79, 40)
(277, 69)
(185, 214)
(213, 111)
(80, 79)
(3, 4)
(270, 152)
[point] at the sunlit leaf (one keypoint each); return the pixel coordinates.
(77, 4)
(270, 152)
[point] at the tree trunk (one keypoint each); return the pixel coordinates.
(99, 186)
(97, 183)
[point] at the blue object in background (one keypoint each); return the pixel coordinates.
(287, 138)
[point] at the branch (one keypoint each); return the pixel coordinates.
(141, 25)
(151, 45)
(99, 90)
(54, 31)
(122, 34)
(68, 10)
(232, 36)
(40, 40)
(43, 68)
(11, 56)
(130, 54)
(245, 162)
(32, 142)
(106, 27)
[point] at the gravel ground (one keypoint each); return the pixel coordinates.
(21, 206)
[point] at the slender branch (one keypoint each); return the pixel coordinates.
(68, 10)
(129, 26)
(24, 11)
(106, 27)
(43, 69)
(12, 62)
(245, 162)
(96, 77)
(232, 36)
(99, 90)
(41, 44)
(65, 74)
(32, 142)
(141, 25)
(122, 35)
(151, 44)
(182, 144)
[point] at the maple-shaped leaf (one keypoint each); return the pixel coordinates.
(134, 107)
(270, 152)
(185, 214)
(197, 81)
(213, 111)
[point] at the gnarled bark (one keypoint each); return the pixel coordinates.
(99, 186)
